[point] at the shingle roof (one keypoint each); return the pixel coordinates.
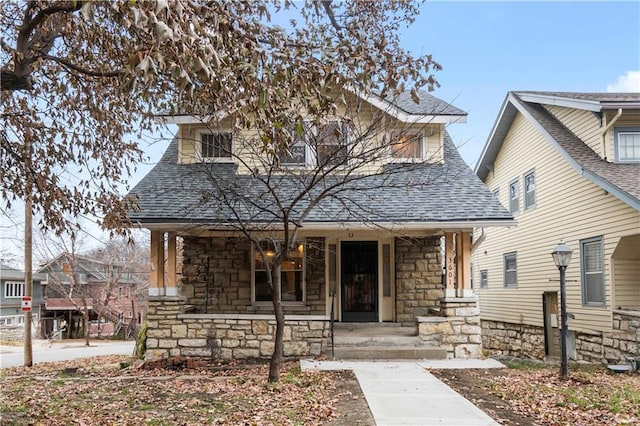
(589, 96)
(407, 193)
(624, 176)
(428, 105)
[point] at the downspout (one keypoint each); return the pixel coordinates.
(606, 129)
(479, 241)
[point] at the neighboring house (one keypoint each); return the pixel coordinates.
(110, 291)
(567, 165)
(12, 289)
(372, 255)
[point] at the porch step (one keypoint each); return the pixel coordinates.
(385, 352)
(378, 341)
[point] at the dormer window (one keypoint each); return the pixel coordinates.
(627, 142)
(407, 147)
(215, 146)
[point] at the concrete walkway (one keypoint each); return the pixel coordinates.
(404, 393)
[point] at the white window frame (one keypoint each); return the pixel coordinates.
(599, 241)
(199, 153)
(346, 139)
(509, 284)
(484, 281)
(625, 131)
(393, 136)
(14, 289)
(527, 194)
(303, 283)
(514, 203)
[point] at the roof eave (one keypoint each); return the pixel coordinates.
(589, 105)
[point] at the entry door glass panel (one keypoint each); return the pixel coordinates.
(359, 261)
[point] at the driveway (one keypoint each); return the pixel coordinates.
(62, 350)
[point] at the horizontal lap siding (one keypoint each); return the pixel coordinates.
(584, 124)
(627, 275)
(568, 207)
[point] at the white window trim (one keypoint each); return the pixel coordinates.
(617, 132)
(485, 280)
(423, 144)
(283, 302)
(14, 284)
(528, 206)
(311, 156)
(583, 272)
(515, 182)
(504, 270)
(198, 146)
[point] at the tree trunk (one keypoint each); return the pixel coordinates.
(278, 347)
(85, 316)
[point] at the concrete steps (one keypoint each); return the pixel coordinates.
(381, 341)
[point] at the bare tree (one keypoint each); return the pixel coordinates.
(337, 168)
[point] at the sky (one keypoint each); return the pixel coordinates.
(489, 48)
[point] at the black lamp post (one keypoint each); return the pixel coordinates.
(562, 256)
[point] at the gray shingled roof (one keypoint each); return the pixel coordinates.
(409, 193)
(589, 96)
(429, 104)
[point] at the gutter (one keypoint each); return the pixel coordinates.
(604, 131)
(481, 238)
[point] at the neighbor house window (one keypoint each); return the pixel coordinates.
(13, 289)
(484, 278)
(407, 147)
(291, 275)
(510, 270)
(529, 190)
(514, 197)
(496, 193)
(627, 143)
(592, 265)
(216, 145)
(331, 142)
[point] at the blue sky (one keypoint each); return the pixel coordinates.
(489, 48)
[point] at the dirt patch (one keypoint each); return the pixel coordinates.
(351, 406)
(476, 386)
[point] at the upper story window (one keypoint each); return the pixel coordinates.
(216, 145)
(529, 190)
(592, 265)
(627, 143)
(291, 274)
(484, 278)
(321, 145)
(13, 289)
(514, 197)
(407, 147)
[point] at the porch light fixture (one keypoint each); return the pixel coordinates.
(561, 257)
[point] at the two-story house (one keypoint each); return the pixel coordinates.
(369, 197)
(110, 292)
(12, 289)
(567, 165)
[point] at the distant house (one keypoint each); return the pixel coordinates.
(111, 293)
(12, 289)
(567, 165)
(370, 251)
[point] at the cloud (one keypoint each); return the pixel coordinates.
(629, 82)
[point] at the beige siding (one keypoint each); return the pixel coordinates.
(627, 287)
(567, 207)
(628, 119)
(584, 124)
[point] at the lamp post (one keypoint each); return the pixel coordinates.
(562, 256)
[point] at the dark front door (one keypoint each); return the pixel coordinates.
(359, 264)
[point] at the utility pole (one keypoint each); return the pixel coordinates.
(28, 254)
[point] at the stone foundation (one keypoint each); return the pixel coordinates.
(173, 333)
(457, 330)
(527, 341)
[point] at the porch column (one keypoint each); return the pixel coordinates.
(156, 276)
(463, 264)
(172, 288)
(450, 290)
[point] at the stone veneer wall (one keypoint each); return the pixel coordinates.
(418, 277)
(528, 341)
(226, 262)
(226, 336)
(457, 330)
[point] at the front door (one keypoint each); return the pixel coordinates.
(359, 286)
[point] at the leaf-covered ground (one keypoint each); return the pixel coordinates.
(534, 394)
(100, 391)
